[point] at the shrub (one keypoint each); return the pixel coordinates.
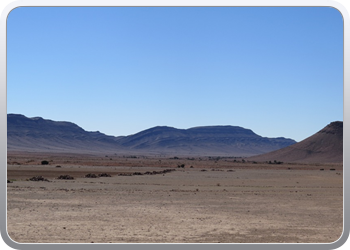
(44, 162)
(65, 177)
(91, 176)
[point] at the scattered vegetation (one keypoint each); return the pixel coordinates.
(214, 158)
(181, 166)
(38, 178)
(104, 175)
(275, 162)
(242, 160)
(91, 176)
(65, 177)
(148, 172)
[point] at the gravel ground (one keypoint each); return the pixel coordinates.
(229, 205)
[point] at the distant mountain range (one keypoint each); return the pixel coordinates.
(326, 146)
(41, 135)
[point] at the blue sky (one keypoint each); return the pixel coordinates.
(277, 71)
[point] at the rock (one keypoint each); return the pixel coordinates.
(38, 178)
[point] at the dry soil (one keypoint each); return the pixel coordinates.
(216, 200)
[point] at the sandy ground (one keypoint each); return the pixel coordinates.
(230, 202)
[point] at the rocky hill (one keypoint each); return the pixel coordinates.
(326, 146)
(41, 135)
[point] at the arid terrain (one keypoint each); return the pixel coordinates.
(227, 200)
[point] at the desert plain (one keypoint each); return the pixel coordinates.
(208, 200)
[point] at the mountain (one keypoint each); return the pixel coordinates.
(326, 146)
(209, 140)
(41, 135)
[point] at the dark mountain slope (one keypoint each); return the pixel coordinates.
(326, 146)
(38, 134)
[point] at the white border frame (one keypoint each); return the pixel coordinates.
(168, 3)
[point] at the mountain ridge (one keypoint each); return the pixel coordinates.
(39, 134)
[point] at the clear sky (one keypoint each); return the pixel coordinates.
(276, 71)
